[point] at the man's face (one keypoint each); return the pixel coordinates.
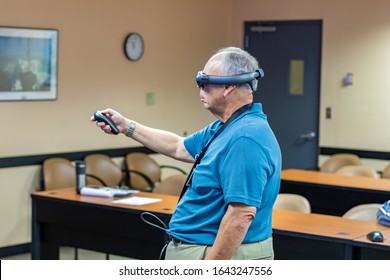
(211, 95)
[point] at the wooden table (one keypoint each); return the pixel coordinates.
(64, 218)
(320, 237)
(334, 194)
(367, 250)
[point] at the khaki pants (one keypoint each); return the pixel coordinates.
(262, 250)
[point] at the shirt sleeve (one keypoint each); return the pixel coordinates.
(245, 172)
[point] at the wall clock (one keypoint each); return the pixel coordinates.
(134, 46)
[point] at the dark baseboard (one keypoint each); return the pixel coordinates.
(15, 250)
(361, 153)
(38, 159)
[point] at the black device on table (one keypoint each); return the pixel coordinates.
(375, 236)
(100, 117)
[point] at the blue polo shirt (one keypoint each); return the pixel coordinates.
(241, 165)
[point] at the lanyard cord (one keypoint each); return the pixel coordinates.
(198, 159)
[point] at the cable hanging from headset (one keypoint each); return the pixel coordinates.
(164, 228)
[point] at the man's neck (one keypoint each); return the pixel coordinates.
(228, 112)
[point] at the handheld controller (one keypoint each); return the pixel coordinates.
(100, 117)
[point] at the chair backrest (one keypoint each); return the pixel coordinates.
(58, 173)
(386, 172)
(103, 167)
(336, 161)
(292, 202)
(171, 185)
(358, 170)
(365, 212)
(143, 163)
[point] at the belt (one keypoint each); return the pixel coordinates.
(177, 241)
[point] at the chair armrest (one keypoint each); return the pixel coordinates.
(96, 178)
(144, 176)
(174, 167)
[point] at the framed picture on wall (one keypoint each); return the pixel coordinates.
(28, 64)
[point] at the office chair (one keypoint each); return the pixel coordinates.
(386, 172)
(358, 170)
(336, 161)
(101, 170)
(58, 173)
(366, 212)
(144, 172)
(171, 185)
(292, 202)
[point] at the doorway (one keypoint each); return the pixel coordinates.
(289, 52)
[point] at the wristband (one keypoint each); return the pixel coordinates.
(131, 129)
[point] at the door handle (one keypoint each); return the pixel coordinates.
(308, 136)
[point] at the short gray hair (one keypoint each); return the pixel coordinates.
(237, 61)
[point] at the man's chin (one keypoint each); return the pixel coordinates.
(204, 103)
(206, 106)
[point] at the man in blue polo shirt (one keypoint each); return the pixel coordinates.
(226, 212)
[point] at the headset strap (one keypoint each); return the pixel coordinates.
(201, 155)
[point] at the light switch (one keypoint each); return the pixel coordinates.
(150, 100)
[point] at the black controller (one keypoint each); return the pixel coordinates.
(100, 117)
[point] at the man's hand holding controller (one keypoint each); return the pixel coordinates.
(112, 122)
(104, 120)
(99, 117)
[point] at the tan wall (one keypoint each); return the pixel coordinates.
(93, 73)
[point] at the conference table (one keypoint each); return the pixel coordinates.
(64, 218)
(302, 236)
(367, 250)
(334, 194)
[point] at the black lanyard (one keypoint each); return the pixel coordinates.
(198, 159)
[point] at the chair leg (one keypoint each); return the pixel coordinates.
(107, 256)
(76, 254)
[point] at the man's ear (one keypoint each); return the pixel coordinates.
(228, 90)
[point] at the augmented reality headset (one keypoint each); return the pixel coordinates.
(246, 78)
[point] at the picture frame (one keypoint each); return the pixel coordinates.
(28, 64)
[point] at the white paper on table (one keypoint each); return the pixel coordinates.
(137, 200)
(105, 192)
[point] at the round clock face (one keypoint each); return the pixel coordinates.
(134, 46)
